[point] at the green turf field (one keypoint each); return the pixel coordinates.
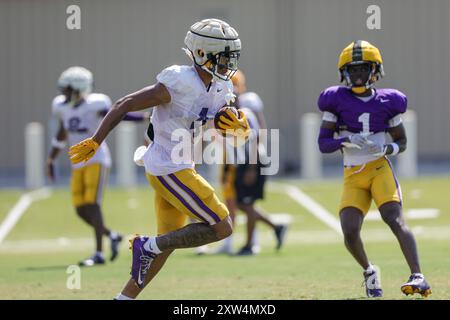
(313, 264)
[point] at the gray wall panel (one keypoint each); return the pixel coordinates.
(290, 51)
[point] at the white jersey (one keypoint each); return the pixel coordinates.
(192, 104)
(251, 101)
(82, 121)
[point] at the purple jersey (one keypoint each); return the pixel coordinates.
(355, 115)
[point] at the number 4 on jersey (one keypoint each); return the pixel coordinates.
(202, 116)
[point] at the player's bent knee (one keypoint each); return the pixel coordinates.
(224, 232)
(398, 225)
(391, 213)
(390, 209)
(224, 228)
(351, 234)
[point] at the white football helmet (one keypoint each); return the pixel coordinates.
(78, 78)
(214, 46)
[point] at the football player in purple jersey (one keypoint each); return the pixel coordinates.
(356, 118)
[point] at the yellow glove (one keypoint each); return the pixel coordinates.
(237, 126)
(83, 151)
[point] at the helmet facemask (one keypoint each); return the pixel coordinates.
(73, 97)
(374, 73)
(222, 65)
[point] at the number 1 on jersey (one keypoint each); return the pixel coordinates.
(365, 118)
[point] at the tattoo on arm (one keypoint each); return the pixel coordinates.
(191, 236)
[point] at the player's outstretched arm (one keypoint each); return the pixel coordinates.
(145, 98)
(132, 116)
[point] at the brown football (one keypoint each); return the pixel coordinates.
(222, 112)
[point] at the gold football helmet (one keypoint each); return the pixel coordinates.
(361, 52)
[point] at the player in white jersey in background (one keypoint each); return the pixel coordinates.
(185, 98)
(79, 112)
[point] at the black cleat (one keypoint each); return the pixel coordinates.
(280, 233)
(94, 260)
(246, 251)
(115, 242)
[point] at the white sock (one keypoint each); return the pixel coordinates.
(99, 254)
(150, 245)
(120, 296)
(228, 243)
(113, 235)
(255, 238)
(370, 268)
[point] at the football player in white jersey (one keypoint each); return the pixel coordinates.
(79, 112)
(184, 98)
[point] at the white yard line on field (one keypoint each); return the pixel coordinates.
(265, 239)
(413, 213)
(19, 209)
(311, 206)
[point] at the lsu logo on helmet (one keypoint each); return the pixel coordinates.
(359, 52)
(214, 46)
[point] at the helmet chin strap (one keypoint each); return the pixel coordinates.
(361, 89)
